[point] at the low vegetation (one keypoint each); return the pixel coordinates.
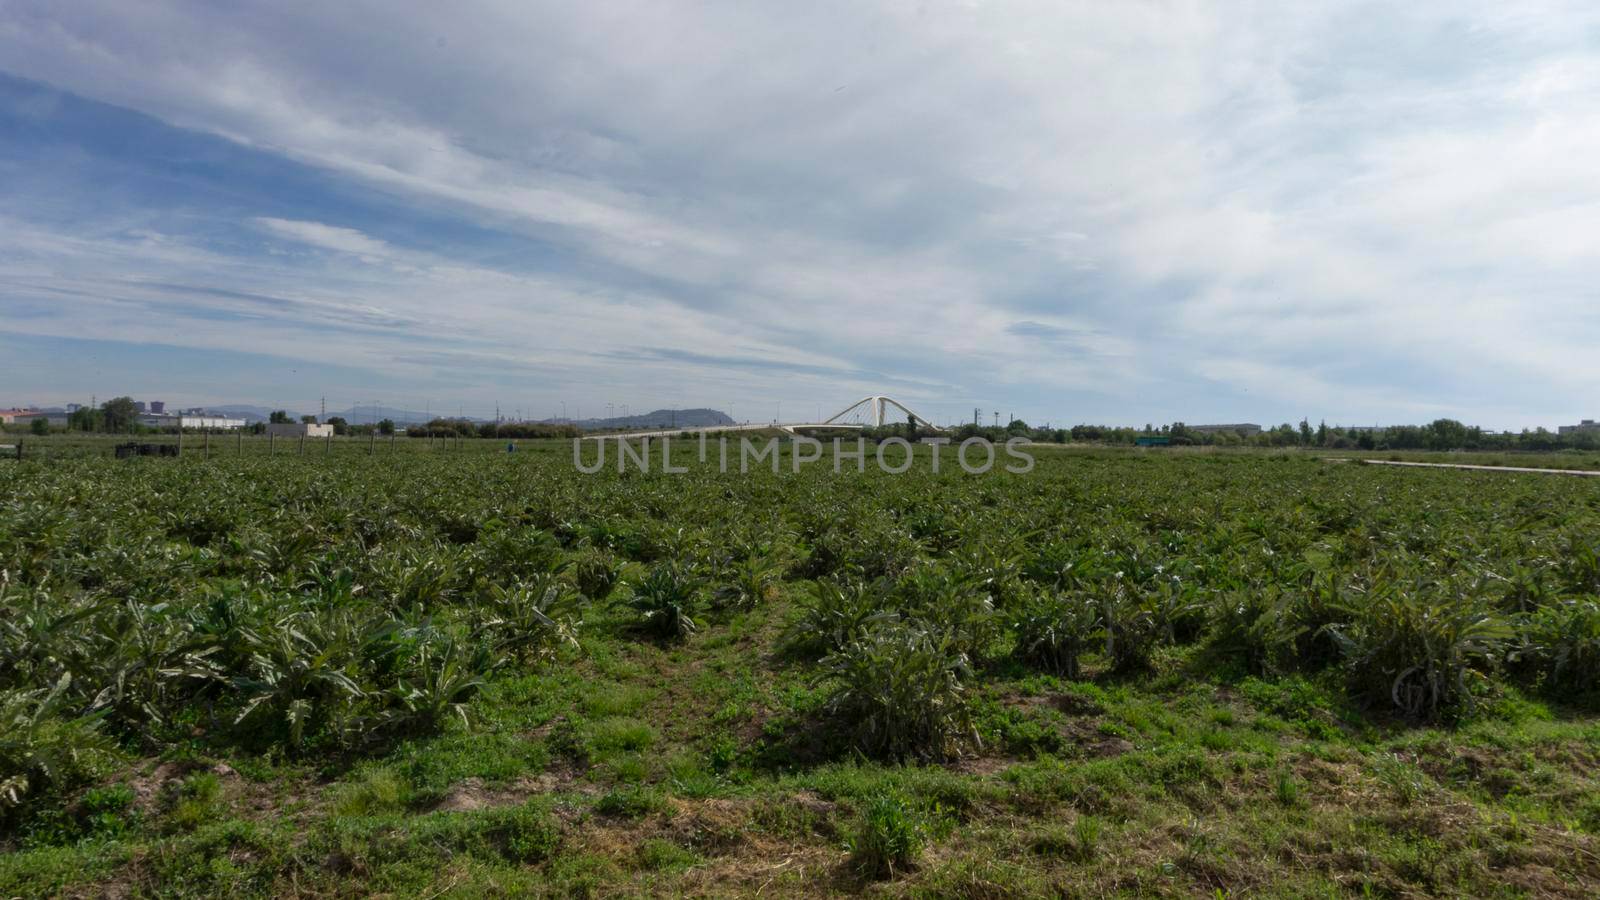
(474, 673)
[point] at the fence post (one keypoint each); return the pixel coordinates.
(302, 444)
(206, 445)
(238, 444)
(327, 443)
(180, 435)
(19, 449)
(272, 442)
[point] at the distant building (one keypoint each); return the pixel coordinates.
(158, 406)
(1587, 426)
(140, 406)
(154, 420)
(1243, 428)
(27, 417)
(299, 429)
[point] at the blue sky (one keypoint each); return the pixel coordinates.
(1105, 212)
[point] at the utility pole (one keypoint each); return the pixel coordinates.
(323, 415)
(975, 414)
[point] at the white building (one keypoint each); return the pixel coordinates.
(27, 417)
(299, 429)
(188, 420)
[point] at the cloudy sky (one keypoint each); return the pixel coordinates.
(1109, 212)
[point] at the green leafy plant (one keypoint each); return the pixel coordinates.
(1423, 653)
(597, 574)
(899, 689)
(749, 582)
(666, 600)
(1259, 627)
(530, 620)
(1131, 629)
(1054, 628)
(44, 745)
(301, 674)
(1565, 640)
(838, 614)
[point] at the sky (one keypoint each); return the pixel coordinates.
(1110, 212)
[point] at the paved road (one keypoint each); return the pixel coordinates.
(1422, 465)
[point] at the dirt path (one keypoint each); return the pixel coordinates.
(1424, 465)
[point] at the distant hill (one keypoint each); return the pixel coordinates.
(362, 415)
(356, 415)
(244, 411)
(660, 418)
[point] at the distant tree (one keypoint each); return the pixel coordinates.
(1305, 433)
(308, 420)
(279, 417)
(40, 426)
(84, 418)
(386, 426)
(1447, 434)
(340, 426)
(911, 428)
(1017, 426)
(1322, 433)
(119, 413)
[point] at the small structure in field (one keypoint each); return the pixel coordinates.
(299, 429)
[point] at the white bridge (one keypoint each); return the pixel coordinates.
(867, 408)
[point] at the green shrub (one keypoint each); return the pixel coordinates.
(1565, 642)
(530, 620)
(1425, 656)
(44, 747)
(666, 600)
(899, 689)
(750, 582)
(956, 606)
(1053, 630)
(597, 574)
(1131, 630)
(838, 615)
(1258, 627)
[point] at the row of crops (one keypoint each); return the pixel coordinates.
(326, 609)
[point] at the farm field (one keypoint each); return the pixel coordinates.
(477, 673)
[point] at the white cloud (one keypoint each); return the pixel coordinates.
(1259, 197)
(331, 237)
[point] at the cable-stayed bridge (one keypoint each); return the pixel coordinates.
(868, 411)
